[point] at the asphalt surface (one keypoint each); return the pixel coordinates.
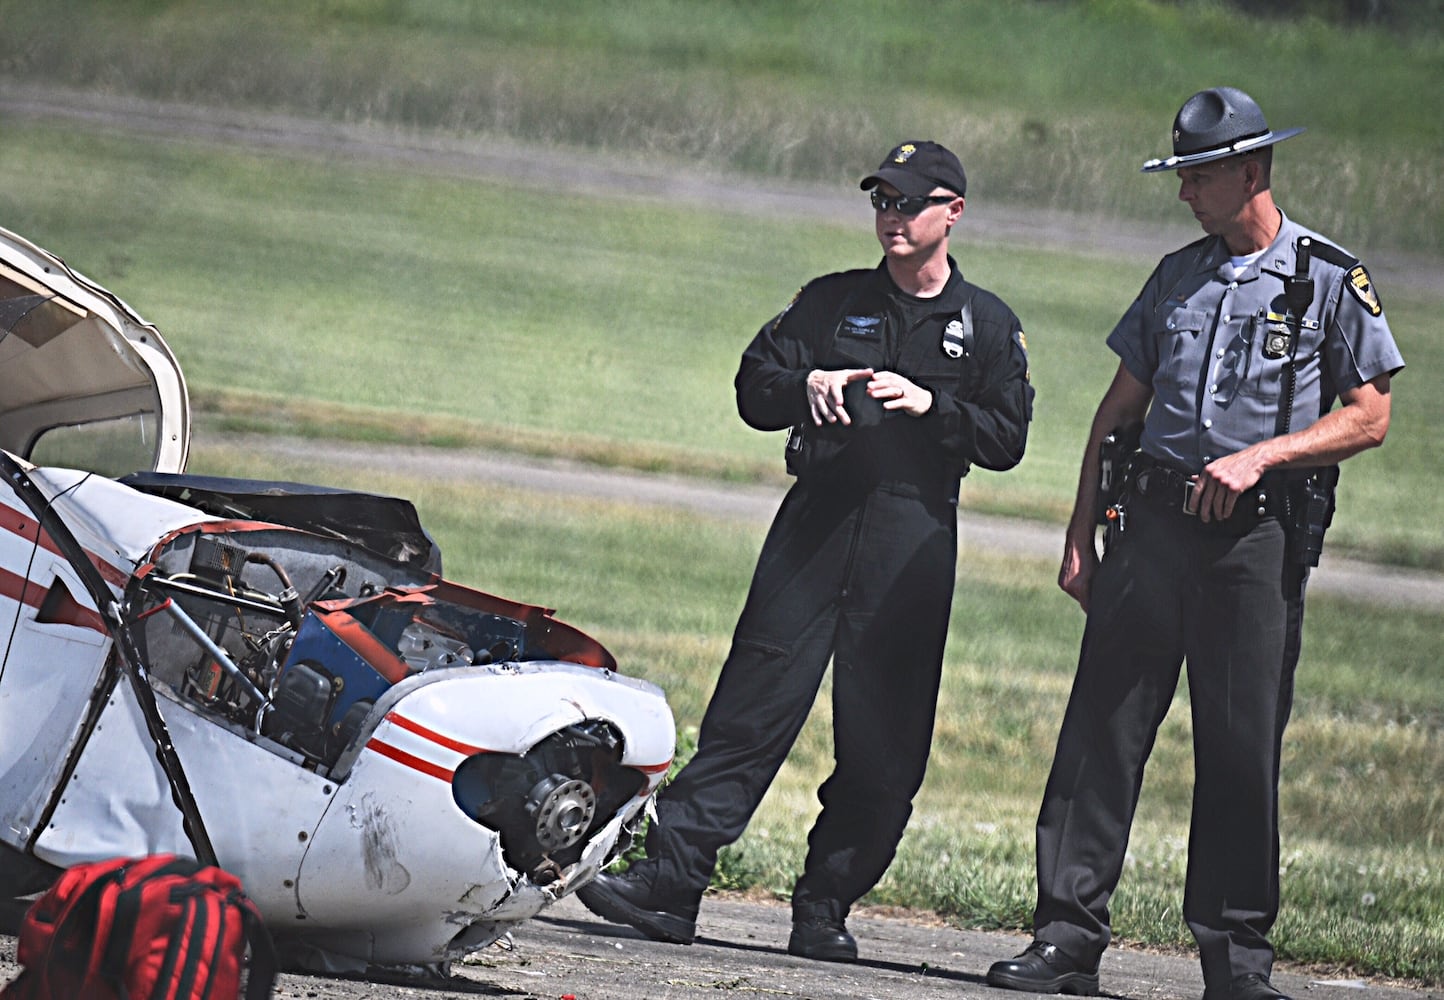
(742, 950)
(1365, 582)
(742, 943)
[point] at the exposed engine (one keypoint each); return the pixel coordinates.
(233, 635)
(294, 644)
(546, 802)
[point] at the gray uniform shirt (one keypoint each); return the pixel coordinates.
(1209, 345)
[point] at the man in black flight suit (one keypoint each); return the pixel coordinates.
(893, 382)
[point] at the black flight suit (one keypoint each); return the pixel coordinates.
(858, 567)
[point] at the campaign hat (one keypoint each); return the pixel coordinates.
(1214, 124)
(915, 168)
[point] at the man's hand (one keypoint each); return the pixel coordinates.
(1080, 560)
(1217, 488)
(824, 394)
(898, 393)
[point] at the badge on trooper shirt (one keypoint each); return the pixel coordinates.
(1278, 337)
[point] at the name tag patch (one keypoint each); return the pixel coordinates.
(861, 326)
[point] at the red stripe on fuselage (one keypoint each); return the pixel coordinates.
(28, 528)
(410, 760)
(70, 612)
(434, 736)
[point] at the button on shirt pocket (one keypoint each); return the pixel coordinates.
(1179, 336)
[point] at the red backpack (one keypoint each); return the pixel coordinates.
(151, 928)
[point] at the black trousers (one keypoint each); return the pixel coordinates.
(865, 580)
(1171, 591)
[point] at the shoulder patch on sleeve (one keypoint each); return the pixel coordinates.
(1362, 287)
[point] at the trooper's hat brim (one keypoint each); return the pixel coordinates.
(1244, 145)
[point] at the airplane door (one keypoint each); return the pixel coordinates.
(53, 647)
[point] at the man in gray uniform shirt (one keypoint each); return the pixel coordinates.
(1231, 358)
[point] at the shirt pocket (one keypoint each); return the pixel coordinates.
(860, 342)
(1178, 334)
(945, 376)
(1273, 352)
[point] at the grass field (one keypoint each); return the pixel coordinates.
(606, 329)
(1363, 817)
(1051, 103)
(330, 295)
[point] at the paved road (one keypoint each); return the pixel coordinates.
(1379, 585)
(742, 950)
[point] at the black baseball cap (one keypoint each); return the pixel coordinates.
(915, 168)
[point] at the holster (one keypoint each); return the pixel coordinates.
(1312, 501)
(1114, 453)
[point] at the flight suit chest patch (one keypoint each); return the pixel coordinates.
(861, 327)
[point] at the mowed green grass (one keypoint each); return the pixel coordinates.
(324, 295)
(297, 284)
(1051, 104)
(1363, 819)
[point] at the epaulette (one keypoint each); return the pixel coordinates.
(1332, 254)
(1356, 276)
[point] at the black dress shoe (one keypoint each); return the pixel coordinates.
(821, 938)
(1254, 986)
(1042, 968)
(632, 898)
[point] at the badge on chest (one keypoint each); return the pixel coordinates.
(1279, 335)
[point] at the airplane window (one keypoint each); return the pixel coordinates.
(115, 447)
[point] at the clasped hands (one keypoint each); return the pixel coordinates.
(824, 393)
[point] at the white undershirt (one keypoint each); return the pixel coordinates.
(1238, 265)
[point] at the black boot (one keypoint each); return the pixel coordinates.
(634, 898)
(1250, 986)
(1042, 968)
(818, 933)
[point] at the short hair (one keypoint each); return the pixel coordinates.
(1264, 158)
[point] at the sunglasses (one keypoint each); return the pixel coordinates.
(908, 204)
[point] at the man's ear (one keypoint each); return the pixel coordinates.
(1253, 174)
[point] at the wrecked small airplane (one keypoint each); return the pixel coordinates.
(275, 677)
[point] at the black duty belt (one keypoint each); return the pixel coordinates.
(1163, 486)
